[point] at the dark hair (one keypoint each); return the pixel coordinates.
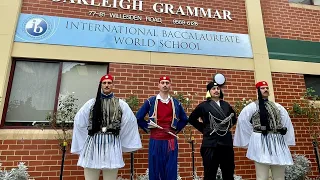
(210, 86)
(263, 111)
(96, 113)
(221, 94)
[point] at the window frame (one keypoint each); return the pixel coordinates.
(306, 76)
(11, 76)
(311, 3)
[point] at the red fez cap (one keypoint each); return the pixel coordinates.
(107, 76)
(261, 83)
(165, 78)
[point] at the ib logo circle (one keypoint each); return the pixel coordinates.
(36, 27)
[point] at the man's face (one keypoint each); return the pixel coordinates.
(164, 86)
(107, 86)
(215, 91)
(264, 91)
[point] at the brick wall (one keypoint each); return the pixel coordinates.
(283, 21)
(288, 89)
(43, 158)
(237, 8)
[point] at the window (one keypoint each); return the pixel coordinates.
(302, 1)
(36, 86)
(313, 81)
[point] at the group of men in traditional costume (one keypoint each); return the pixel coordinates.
(105, 127)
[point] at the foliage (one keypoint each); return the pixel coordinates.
(133, 102)
(308, 178)
(146, 176)
(307, 108)
(240, 104)
(19, 173)
(196, 177)
(185, 100)
(219, 175)
(299, 169)
(62, 120)
(121, 178)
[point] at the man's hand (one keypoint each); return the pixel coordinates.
(283, 131)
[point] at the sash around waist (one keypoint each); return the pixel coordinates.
(162, 134)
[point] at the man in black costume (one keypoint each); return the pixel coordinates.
(217, 119)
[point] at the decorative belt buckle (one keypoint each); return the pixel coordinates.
(104, 129)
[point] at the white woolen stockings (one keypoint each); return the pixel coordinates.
(93, 174)
(262, 171)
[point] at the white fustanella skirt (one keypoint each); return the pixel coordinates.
(270, 149)
(101, 151)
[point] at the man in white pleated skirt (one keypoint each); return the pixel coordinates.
(104, 128)
(265, 129)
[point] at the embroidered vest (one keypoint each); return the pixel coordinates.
(111, 119)
(154, 117)
(274, 117)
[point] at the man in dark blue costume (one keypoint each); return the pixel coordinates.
(166, 118)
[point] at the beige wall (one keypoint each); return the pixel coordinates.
(9, 11)
(294, 67)
(29, 50)
(262, 69)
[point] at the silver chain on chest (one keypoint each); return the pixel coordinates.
(221, 125)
